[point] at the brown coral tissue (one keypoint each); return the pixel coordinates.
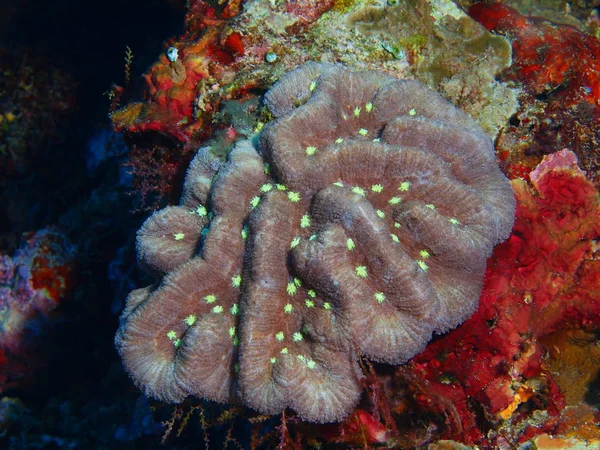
(358, 225)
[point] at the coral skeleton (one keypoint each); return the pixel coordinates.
(357, 226)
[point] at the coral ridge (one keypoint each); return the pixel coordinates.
(360, 225)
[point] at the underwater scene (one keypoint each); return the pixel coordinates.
(300, 224)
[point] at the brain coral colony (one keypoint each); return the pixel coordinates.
(359, 226)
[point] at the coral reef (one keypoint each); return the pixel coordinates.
(543, 54)
(233, 51)
(38, 277)
(449, 52)
(578, 13)
(172, 84)
(561, 93)
(83, 398)
(226, 53)
(361, 226)
(183, 85)
(543, 280)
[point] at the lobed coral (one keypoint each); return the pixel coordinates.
(361, 226)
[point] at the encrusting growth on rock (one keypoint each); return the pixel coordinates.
(360, 226)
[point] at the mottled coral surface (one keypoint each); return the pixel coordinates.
(361, 226)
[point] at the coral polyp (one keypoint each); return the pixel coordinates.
(302, 262)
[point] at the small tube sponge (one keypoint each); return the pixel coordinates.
(360, 225)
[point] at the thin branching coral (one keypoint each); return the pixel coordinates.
(359, 227)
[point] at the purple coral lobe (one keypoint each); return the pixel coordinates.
(360, 225)
(168, 238)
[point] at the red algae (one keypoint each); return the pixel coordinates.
(548, 56)
(558, 68)
(544, 278)
(179, 84)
